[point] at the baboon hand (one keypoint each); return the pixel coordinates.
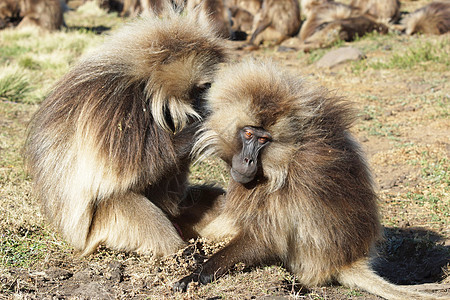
(182, 285)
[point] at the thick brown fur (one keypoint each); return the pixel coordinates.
(242, 20)
(382, 10)
(44, 14)
(242, 13)
(109, 147)
(276, 21)
(311, 205)
(252, 6)
(332, 21)
(307, 6)
(9, 13)
(433, 18)
(325, 13)
(133, 8)
(216, 12)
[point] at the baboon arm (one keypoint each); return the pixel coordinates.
(243, 248)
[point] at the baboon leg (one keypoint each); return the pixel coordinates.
(131, 222)
(243, 248)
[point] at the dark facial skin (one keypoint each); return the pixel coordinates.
(244, 164)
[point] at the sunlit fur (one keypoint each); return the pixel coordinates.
(115, 132)
(217, 13)
(325, 13)
(44, 14)
(276, 21)
(433, 18)
(382, 10)
(330, 22)
(313, 207)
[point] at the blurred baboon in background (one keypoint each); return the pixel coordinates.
(44, 14)
(9, 13)
(108, 149)
(433, 18)
(276, 21)
(112, 5)
(132, 8)
(306, 6)
(242, 14)
(216, 12)
(382, 10)
(300, 191)
(252, 6)
(242, 20)
(325, 13)
(331, 22)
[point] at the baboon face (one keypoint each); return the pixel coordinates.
(244, 165)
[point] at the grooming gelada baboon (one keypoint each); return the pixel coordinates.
(300, 191)
(109, 147)
(433, 18)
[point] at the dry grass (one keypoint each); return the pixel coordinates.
(401, 89)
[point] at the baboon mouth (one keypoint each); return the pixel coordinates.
(241, 178)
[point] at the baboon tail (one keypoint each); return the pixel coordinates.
(360, 275)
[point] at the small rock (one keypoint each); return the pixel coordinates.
(339, 56)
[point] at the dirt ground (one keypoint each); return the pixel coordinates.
(404, 128)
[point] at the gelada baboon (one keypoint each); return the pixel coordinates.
(242, 14)
(276, 21)
(9, 13)
(330, 22)
(433, 18)
(383, 10)
(300, 191)
(132, 8)
(109, 147)
(45, 14)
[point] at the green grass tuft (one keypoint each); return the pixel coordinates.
(14, 86)
(417, 56)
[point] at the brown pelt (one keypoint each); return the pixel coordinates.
(9, 13)
(332, 21)
(108, 149)
(276, 21)
(44, 14)
(311, 204)
(433, 18)
(323, 14)
(218, 14)
(382, 10)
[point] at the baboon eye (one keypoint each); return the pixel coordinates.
(262, 140)
(248, 134)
